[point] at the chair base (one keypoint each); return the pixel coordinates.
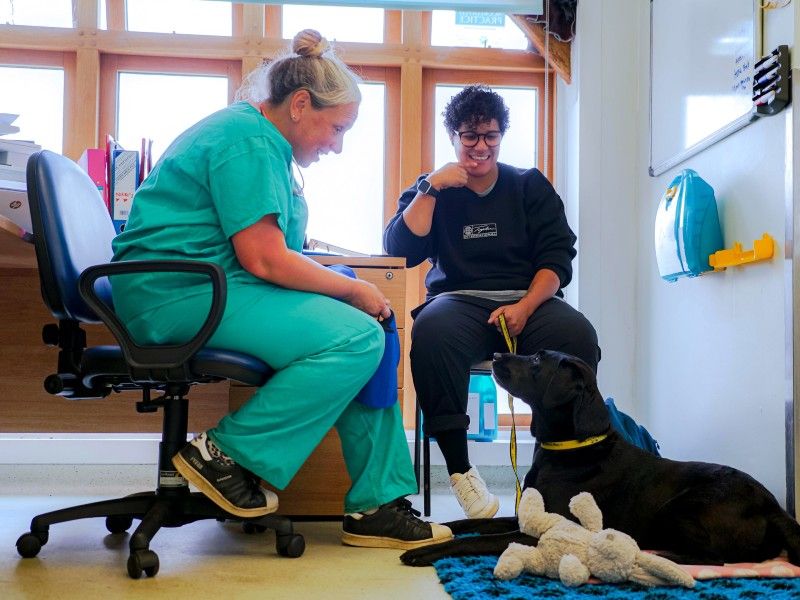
(171, 505)
(163, 508)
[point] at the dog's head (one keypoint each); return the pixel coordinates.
(561, 391)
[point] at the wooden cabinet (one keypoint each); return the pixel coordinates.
(25, 361)
(320, 485)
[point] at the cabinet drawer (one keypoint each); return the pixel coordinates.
(392, 282)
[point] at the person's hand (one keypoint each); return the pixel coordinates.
(451, 175)
(516, 316)
(367, 297)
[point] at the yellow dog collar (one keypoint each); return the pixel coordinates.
(571, 444)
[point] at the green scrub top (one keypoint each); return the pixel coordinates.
(218, 177)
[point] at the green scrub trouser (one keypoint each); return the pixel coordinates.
(323, 351)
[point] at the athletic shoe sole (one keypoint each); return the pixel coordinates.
(488, 511)
(373, 541)
(202, 484)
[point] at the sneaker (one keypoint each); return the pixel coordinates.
(393, 525)
(473, 495)
(224, 482)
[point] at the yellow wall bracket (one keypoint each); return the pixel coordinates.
(731, 257)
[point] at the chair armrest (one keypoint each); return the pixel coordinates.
(166, 356)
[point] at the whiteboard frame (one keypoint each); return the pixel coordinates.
(721, 133)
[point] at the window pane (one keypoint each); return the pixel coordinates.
(345, 191)
(180, 16)
(476, 30)
(335, 23)
(519, 145)
(102, 16)
(45, 13)
(155, 106)
(37, 96)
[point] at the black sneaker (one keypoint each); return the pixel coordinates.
(224, 482)
(393, 525)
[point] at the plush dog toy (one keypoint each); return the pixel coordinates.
(574, 552)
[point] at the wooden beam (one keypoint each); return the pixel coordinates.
(82, 128)
(141, 43)
(559, 52)
(85, 14)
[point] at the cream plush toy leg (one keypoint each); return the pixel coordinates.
(572, 571)
(585, 509)
(518, 558)
(533, 520)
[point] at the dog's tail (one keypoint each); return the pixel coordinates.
(787, 530)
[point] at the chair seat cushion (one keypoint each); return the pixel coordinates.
(107, 363)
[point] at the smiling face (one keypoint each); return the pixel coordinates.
(481, 153)
(321, 131)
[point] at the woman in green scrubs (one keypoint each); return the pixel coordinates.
(224, 192)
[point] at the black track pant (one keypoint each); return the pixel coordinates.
(450, 334)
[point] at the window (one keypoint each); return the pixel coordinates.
(343, 24)
(42, 13)
(476, 29)
(181, 101)
(159, 98)
(345, 192)
(36, 94)
(522, 146)
(518, 147)
(206, 18)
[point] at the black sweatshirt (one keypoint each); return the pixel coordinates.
(495, 242)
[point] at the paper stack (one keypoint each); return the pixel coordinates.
(13, 153)
(15, 216)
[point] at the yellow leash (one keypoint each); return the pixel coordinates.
(512, 347)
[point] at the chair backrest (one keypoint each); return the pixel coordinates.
(72, 230)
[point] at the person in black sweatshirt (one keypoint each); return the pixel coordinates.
(499, 243)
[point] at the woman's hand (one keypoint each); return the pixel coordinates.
(451, 175)
(516, 315)
(367, 297)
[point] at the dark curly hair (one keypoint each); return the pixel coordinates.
(473, 105)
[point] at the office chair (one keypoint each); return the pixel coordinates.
(481, 368)
(72, 235)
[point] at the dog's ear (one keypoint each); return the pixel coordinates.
(589, 412)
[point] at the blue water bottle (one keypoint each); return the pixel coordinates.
(483, 405)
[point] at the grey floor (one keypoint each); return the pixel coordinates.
(206, 559)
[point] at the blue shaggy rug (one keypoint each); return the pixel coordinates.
(471, 578)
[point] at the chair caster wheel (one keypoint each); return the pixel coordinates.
(249, 527)
(29, 544)
(142, 560)
(291, 545)
(118, 523)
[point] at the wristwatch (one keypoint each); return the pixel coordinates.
(425, 187)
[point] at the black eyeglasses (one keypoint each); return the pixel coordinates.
(471, 138)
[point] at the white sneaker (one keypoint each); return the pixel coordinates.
(473, 495)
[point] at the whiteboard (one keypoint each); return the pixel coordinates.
(701, 68)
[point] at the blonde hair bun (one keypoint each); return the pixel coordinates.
(310, 42)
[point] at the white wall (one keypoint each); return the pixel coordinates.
(700, 362)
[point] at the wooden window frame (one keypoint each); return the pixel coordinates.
(433, 77)
(406, 62)
(113, 64)
(391, 163)
(56, 60)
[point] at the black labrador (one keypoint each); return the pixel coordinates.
(691, 512)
